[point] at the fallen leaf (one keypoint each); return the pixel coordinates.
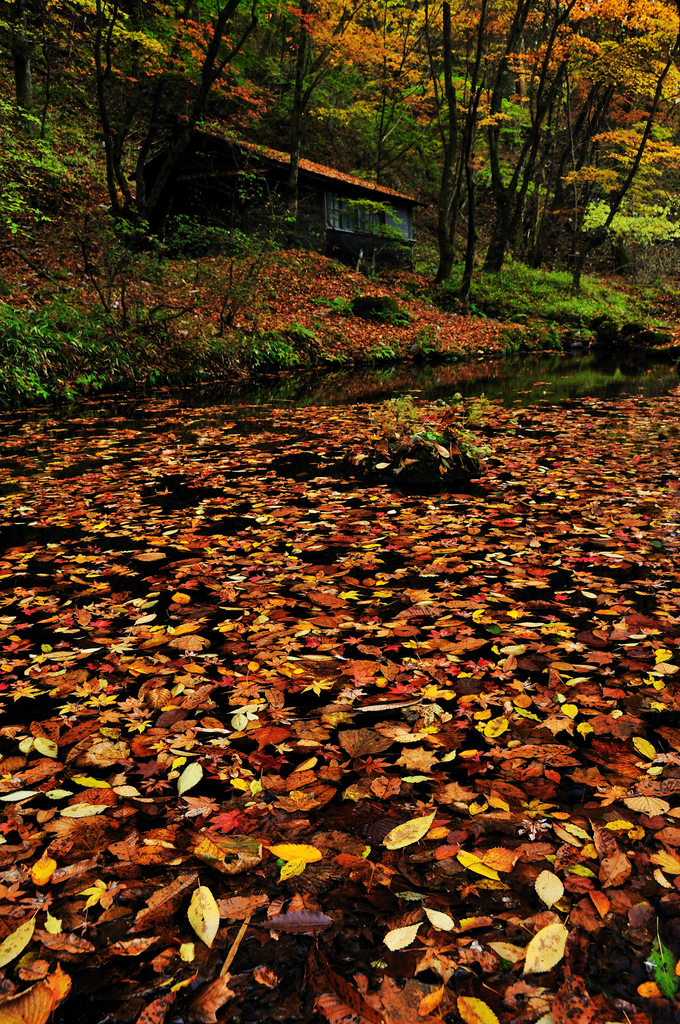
(431, 1001)
(475, 1011)
(15, 942)
(203, 914)
(210, 999)
(400, 938)
(442, 922)
(409, 832)
(549, 888)
(190, 777)
(296, 852)
(546, 948)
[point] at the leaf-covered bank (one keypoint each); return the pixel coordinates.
(138, 321)
(406, 758)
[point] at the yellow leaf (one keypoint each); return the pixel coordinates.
(409, 832)
(549, 888)
(442, 922)
(662, 655)
(43, 869)
(180, 598)
(89, 782)
(82, 810)
(296, 851)
(670, 862)
(546, 948)
(644, 747)
(292, 868)
(187, 952)
(400, 938)
(475, 1011)
(94, 893)
(190, 777)
(431, 1001)
(46, 747)
(53, 924)
(204, 917)
(16, 942)
(496, 727)
(473, 863)
(508, 951)
(569, 709)
(576, 830)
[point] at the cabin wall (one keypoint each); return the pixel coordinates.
(311, 218)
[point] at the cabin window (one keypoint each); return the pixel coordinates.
(345, 214)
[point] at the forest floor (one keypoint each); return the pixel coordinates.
(365, 753)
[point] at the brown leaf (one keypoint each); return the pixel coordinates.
(132, 947)
(238, 908)
(193, 642)
(419, 759)
(64, 942)
(362, 742)
(210, 999)
(614, 870)
(265, 976)
(307, 922)
(162, 903)
(453, 793)
(155, 1012)
(307, 799)
(572, 1004)
(326, 600)
(347, 992)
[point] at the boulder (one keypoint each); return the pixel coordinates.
(381, 308)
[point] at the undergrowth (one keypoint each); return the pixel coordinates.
(59, 353)
(519, 293)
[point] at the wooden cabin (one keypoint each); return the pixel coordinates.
(232, 184)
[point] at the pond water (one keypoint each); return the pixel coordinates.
(550, 378)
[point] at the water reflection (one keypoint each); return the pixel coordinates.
(519, 380)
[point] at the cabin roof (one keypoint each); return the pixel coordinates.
(319, 170)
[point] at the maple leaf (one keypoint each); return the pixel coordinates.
(319, 686)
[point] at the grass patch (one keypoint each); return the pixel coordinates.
(519, 293)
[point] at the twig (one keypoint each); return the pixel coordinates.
(34, 266)
(234, 947)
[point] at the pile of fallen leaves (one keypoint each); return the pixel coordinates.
(280, 746)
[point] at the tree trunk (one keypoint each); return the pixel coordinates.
(470, 248)
(495, 254)
(22, 50)
(296, 123)
(447, 189)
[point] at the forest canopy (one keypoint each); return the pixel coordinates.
(532, 128)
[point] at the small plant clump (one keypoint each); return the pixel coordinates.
(421, 449)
